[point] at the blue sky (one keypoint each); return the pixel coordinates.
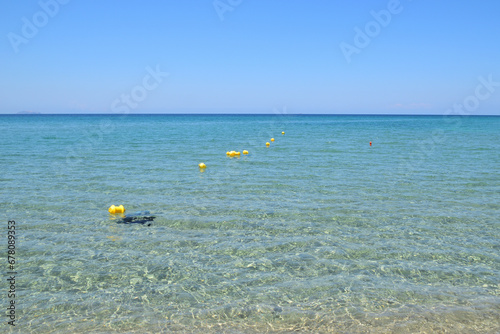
(259, 56)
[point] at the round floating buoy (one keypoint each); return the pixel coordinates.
(272, 139)
(232, 153)
(267, 144)
(283, 132)
(202, 165)
(116, 209)
(237, 153)
(227, 153)
(370, 143)
(245, 152)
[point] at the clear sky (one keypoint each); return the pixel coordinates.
(252, 56)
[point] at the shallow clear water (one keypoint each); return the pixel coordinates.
(320, 232)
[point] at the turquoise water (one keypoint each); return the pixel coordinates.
(318, 233)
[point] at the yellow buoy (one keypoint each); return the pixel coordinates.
(238, 153)
(272, 139)
(245, 152)
(232, 153)
(202, 165)
(283, 132)
(116, 209)
(227, 153)
(267, 144)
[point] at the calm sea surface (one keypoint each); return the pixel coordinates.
(317, 233)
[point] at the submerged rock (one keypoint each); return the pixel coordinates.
(144, 220)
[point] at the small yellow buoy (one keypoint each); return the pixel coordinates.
(227, 153)
(116, 209)
(232, 153)
(272, 139)
(238, 153)
(202, 165)
(283, 132)
(267, 144)
(245, 152)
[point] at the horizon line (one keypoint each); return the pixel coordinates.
(233, 114)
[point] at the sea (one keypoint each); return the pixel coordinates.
(343, 224)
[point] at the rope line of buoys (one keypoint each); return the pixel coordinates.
(120, 209)
(237, 154)
(272, 140)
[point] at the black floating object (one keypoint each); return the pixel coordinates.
(144, 220)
